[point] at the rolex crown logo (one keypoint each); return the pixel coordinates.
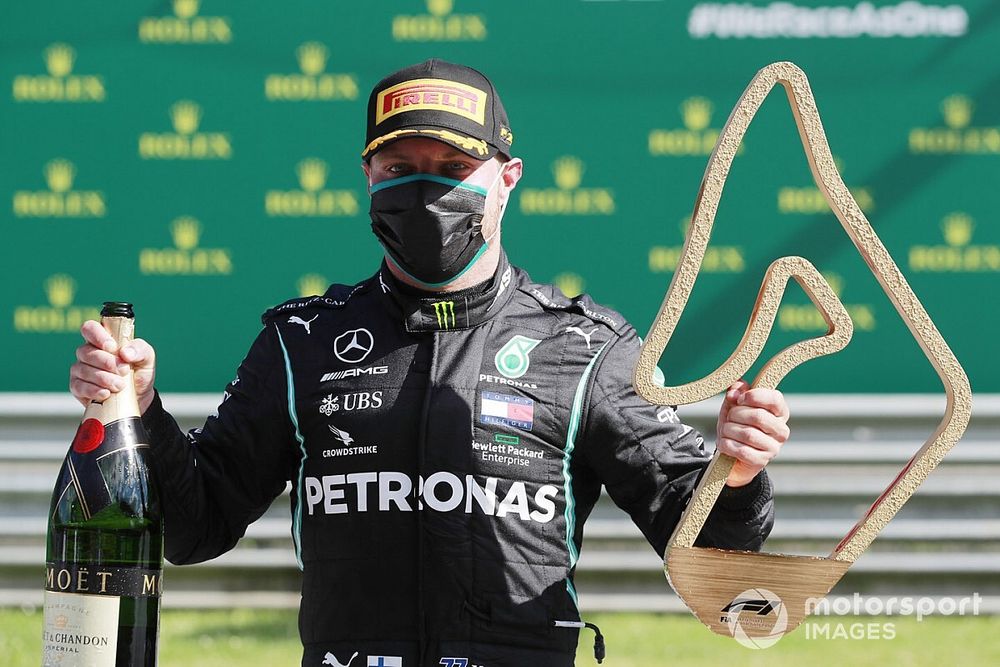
(568, 172)
(312, 58)
(60, 289)
(311, 284)
(312, 174)
(439, 7)
(185, 9)
(570, 284)
(957, 228)
(59, 175)
(186, 116)
(59, 59)
(186, 231)
(697, 113)
(835, 281)
(957, 110)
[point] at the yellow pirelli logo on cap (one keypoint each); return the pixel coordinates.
(435, 94)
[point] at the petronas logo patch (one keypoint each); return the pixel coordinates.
(512, 359)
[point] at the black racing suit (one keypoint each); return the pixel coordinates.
(444, 454)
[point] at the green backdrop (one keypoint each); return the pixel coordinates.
(201, 159)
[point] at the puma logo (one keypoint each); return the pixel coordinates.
(331, 659)
(295, 319)
(586, 336)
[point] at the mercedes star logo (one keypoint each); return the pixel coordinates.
(353, 346)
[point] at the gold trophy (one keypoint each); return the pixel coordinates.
(718, 584)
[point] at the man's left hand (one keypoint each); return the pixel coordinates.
(753, 425)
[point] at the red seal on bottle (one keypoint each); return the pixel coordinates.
(89, 436)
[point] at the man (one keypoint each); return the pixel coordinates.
(446, 425)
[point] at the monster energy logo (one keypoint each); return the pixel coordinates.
(445, 313)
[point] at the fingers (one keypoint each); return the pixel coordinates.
(98, 336)
(751, 456)
(731, 398)
(100, 367)
(750, 436)
(752, 428)
(771, 400)
(87, 383)
(760, 419)
(139, 354)
(736, 390)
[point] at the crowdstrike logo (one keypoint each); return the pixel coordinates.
(352, 347)
(343, 436)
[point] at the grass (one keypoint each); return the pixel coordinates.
(268, 638)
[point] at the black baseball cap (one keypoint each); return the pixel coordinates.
(439, 100)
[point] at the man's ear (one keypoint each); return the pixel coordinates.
(512, 173)
(367, 168)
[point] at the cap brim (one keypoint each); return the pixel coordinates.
(477, 148)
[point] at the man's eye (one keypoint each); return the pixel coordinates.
(458, 166)
(397, 168)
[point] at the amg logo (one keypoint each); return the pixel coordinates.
(354, 372)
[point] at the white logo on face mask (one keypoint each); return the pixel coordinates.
(353, 346)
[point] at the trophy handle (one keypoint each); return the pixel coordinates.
(718, 584)
(838, 335)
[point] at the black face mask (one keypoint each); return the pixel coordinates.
(430, 226)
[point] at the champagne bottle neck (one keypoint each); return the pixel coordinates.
(123, 403)
(122, 329)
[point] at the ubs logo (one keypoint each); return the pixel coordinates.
(359, 400)
(352, 347)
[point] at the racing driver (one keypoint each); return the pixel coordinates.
(446, 425)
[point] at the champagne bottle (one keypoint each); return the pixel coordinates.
(104, 552)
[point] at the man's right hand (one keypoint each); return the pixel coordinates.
(100, 367)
